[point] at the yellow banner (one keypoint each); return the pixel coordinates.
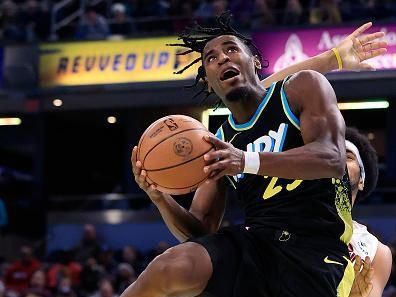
(113, 62)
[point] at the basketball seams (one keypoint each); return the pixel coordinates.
(183, 188)
(166, 138)
(144, 136)
(179, 164)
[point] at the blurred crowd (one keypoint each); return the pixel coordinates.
(30, 20)
(88, 270)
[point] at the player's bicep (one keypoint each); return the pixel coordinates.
(382, 265)
(208, 204)
(316, 102)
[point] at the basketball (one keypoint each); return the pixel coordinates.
(171, 151)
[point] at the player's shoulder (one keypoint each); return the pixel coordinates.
(385, 252)
(303, 79)
(309, 86)
(300, 87)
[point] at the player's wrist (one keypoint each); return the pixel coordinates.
(251, 162)
(328, 61)
(338, 58)
(156, 198)
(332, 59)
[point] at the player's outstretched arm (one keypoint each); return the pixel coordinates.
(322, 126)
(382, 265)
(354, 50)
(206, 210)
(363, 282)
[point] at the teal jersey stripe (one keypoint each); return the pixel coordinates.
(220, 134)
(286, 108)
(253, 120)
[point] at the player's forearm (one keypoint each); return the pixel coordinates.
(180, 222)
(308, 162)
(323, 63)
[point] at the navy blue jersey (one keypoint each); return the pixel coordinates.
(308, 207)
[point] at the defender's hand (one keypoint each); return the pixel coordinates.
(140, 178)
(357, 48)
(226, 160)
(362, 285)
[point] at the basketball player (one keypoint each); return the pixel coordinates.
(286, 153)
(363, 175)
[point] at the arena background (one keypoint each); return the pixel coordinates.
(75, 100)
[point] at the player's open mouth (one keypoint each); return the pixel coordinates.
(229, 73)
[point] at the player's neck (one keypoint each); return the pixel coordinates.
(242, 110)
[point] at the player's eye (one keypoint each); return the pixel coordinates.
(232, 49)
(350, 156)
(210, 58)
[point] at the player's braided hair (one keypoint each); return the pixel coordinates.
(369, 159)
(195, 38)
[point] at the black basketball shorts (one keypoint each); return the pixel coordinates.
(263, 262)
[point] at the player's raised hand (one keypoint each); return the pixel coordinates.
(225, 160)
(140, 178)
(357, 48)
(362, 285)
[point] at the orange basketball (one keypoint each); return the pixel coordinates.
(171, 151)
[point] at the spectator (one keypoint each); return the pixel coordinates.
(65, 267)
(183, 12)
(89, 246)
(204, 10)
(219, 6)
(10, 25)
(17, 276)
(90, 276)
(120, 24)
(292, 13)
(132, 257)
(125, 276)
(92, 26)
(64, 288)
(242, 12)
(325, 11)
(210, 9)
(263, 15)
(107, 261)
(105, 289)
(37, 286)
(35, 21)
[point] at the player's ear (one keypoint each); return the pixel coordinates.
(257, 63)
(360, 185)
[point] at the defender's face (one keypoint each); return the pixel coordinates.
(228, 64)
(354, 172)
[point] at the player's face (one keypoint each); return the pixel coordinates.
(229, 65)
(354, 173)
